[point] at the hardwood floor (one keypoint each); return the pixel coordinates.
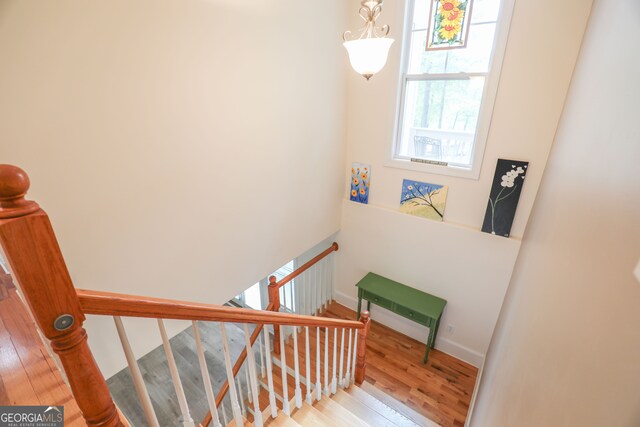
(28, 375)
(440, 390)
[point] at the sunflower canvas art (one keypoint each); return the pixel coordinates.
(423, 199)
(360, 179)
(448, 24)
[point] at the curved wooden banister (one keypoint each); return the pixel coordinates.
(113, 304)
(304, 267)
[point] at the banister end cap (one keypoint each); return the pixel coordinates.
(14, 184)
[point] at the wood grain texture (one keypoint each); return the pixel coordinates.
(440, 390)
(32, 251)
(114, 304)
(307, 265)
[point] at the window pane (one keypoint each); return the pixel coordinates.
(472, 59)
(439, 119)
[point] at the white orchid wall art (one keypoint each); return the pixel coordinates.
(505, 193)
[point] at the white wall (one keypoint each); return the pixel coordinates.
(566, 350)
(183, 149)
(456, 261)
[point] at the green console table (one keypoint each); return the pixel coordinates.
(411, 303)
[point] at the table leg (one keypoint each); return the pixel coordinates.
(359, 307)
(435, 334)
(432, 328)
(369, 306)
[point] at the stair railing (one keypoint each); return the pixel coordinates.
(313, 298)
(37, 264)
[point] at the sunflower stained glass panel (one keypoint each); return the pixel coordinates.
(448, 24)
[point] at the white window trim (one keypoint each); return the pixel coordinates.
(487, 103)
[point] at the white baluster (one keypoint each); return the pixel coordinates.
(334, 274)
(206, 379)
(296, 367)
(318, 362)
(224, 413)
(283, 369)
(341, 377)
(313, 290)
(326, 361)
(292, 297)
(253, 377)
(308, 364)
(175, 377)
(241, 394)
(353, 357)
(334, 380)
(233, 394)
(321, 287)
(246, 381)
(347, 379)
(138, 381)
(284, 297)
(262, 370)
(272, 393)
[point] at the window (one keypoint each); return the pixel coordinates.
(447, 95)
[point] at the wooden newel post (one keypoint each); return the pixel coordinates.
(32, 251)
(274, 301)
(361, 363)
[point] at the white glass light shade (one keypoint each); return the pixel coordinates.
(368, 56)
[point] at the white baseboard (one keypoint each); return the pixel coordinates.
(415, 331)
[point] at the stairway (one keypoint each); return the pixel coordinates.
(349, 406)
(352, 407)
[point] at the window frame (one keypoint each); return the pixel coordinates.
(487, 101)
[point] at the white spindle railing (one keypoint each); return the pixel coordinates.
(347, 379)
(341, 375)
(233, 395)
(318, 361)
(253, 378)
(334, 381)
(243, 410)
(224, 413)
(262, 369)
(307, 365)
(206, 379)
(138, 381)
(283, 369)
(326, 361)
(246, 381)
(272, 394)
(187, 421)
(353, 360)
(296, 365)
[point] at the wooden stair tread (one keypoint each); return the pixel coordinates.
(368, 394)
(339, 414)
(282, 420)
(374, 413)
(308, 416)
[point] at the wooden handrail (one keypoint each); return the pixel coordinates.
(113, 304)
(32, 250)
(307, 265)
(275, 285)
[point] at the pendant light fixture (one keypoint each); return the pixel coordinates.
(369, 48)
